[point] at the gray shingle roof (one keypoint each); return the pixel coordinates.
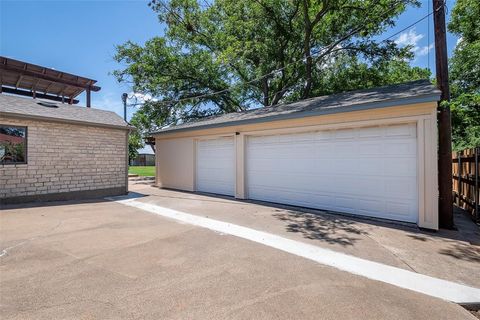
(405, 93)
(29, 108)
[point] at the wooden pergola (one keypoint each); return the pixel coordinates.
(26, 79)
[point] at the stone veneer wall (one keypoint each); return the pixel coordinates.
(65, 161)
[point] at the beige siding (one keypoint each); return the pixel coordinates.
(176, 155)
(65, 158)
(332, 119)
(175, 163)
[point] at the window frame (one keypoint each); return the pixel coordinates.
(26, 145)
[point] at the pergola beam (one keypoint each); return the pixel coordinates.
(28, 93)
(18, 81)
(27, 79)
(44, 76)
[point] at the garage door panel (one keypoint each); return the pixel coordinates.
(366, 186)
(371, 132)
(216, 166)
(398, 188)
(212, 175)
(323, 136)
(323, 150)
(370, 149)
(371, 167)
(324, 166)
(400, 166)
(400, 209)
(366, 171)
(347, 166)
(401, 147)
(294, 197)
(345, 134)
(344, 149)
(401, 130)
(369, 206)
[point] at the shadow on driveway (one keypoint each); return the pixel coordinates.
(463, 252)
(329, 229)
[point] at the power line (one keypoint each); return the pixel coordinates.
(312, 55)
(414, 23)
(407, 27)
(428, 38)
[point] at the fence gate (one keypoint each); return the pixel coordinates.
(466, 176)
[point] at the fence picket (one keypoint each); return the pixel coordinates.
(465, 167)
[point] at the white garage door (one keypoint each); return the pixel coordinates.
(216, 166)
(366, 171)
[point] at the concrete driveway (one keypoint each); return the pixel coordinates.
(104, 260)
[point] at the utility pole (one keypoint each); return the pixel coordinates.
(444, 119)
(124, 100)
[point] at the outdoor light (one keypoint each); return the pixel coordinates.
(124, 100)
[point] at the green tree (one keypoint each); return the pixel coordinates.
(465, 74)
(465, 110)
(135, 139)
(265, 51)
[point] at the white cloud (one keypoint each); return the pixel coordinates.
(409, 37)
(412, 38)
(423, 51)
(140, 97)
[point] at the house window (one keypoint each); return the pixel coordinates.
(13, 144)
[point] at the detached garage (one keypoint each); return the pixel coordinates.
(369, 153)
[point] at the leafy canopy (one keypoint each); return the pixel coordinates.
(265, 51)
(465, 74)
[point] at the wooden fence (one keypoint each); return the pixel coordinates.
(466, 176)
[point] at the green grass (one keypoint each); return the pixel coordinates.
(148, 171)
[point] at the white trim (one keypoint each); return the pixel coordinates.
(421, 170)
(340, 125)
(402, 278)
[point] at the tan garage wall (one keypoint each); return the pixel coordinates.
(175, 163)
(66, 161)
(175, 151)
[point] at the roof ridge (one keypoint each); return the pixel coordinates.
(415, 91)
(284, 104)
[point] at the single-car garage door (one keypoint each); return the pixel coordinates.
(368, 171)
(216, 166)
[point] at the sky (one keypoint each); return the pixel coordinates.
(79, 37)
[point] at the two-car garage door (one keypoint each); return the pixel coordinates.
(369, 171)
(365, 171)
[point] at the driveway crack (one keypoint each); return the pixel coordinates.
(5, 251)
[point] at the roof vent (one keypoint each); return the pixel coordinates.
(47, 104)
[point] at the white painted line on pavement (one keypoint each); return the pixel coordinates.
(431, 286)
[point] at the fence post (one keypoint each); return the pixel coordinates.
(459, 191)
(477, 195)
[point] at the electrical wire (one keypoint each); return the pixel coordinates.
(428, 38)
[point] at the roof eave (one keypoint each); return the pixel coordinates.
(60, 120)
(431, 97)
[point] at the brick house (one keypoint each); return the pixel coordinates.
(57, 151)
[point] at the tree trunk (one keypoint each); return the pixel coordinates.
(307, 52)
(265, 89)
(308, 67)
